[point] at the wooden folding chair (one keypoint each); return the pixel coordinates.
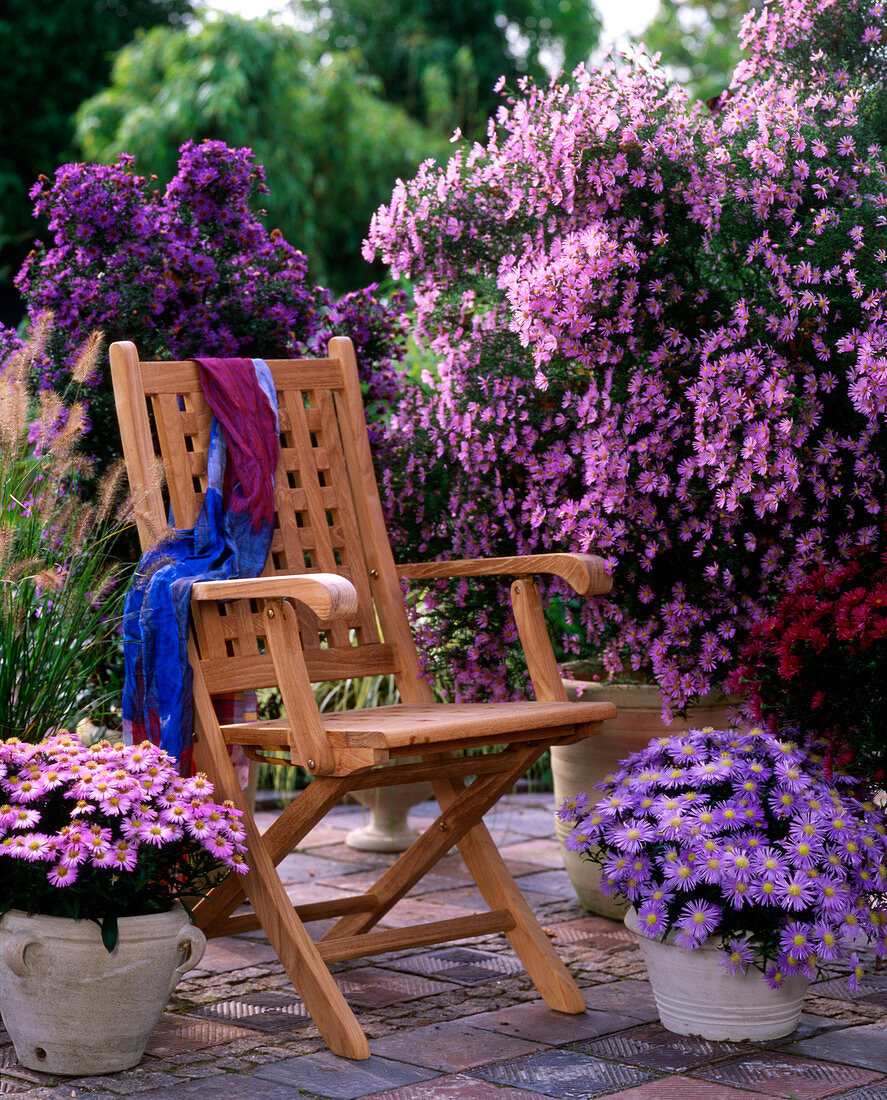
(315, 614)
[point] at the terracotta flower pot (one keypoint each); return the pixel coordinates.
(72, 1007)
(579, 767)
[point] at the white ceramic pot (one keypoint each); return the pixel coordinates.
(579, 767)
(72, 1007)
(696, 997)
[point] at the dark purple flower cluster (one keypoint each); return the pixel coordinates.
(10, 343)
(743, 836)
(184, 272)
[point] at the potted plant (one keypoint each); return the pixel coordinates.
(100, 846)
(750, 869)
(818, 662)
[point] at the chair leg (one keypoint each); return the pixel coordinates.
(284, 833)
(288, 936)
(456, 819)
(495, 882)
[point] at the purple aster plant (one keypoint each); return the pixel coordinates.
(777, 893)
(108, 831)
(187, 270)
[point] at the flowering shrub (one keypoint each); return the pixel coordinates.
(661, 337)
(107, 831)
(742, 836)
(190, 271)
(818, 662)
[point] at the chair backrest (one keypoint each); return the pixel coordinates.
(328, 514)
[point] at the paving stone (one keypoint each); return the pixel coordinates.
(451, 1046)
(411, 911)
(455, 1086)
(538, 1022)
(306, 866)
(8, 1086)
(809, 1025)
(597, 932)
(543, 852)
(462, 965)
(685, 1088)
(373, 987)
(565, 1074)
(872, 990)
(232, 953)
(778, 1074)
(629, 997)
(269, 1011)
(855, 1046)
(868, 1092)
(555, 883)
(176, 1034)
(230, 1086)
(652, 1046)
(341, 1078)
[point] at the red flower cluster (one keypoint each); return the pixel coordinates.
(818, 662)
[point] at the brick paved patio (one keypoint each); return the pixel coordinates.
(462, 1022)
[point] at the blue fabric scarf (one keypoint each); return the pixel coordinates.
(232, 538)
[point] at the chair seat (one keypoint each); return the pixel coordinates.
(405, 728)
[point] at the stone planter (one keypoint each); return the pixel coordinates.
(72, 1007)
(579, 767)
(696, 997)
(388, 829)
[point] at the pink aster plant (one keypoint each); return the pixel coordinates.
(107, 831)
(742, 836)
(660, 335)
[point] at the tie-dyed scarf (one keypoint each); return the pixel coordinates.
(232, 538)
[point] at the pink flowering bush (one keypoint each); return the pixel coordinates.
(107, 831)
(661, 337)
(741, 836)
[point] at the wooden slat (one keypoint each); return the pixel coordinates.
(418, 935)
(585, 573)
(402, 724)
(315, 910)
(180, 377)
(241, 673)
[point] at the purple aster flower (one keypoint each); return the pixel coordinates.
(857, 971)
(736, 956)
(795, 892)
(631, 836)
(652, 919)
(698, 920)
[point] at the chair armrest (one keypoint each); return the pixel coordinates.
(585, 573)
(326, 594)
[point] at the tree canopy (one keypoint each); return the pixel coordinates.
(54, 56)
(698, 41)
(331, 148)
(441, 60)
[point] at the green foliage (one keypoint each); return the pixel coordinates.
(440, 61)
(60, 591)
(331, 148)
(699, 42)
(54, 56)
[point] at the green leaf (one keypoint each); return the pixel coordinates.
(110, 931)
